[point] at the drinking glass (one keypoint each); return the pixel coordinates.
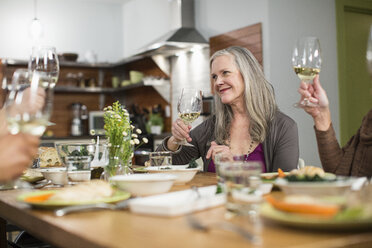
(45, 59)
(29, 103)
(76, 157)
(189, 108)
(306, 61)
(160, 158)
(242, 181)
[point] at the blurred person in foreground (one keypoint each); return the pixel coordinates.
(18, 151)
(246, 120)
(16, 154)
(355, 158)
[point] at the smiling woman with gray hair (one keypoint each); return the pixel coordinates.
(246, 120)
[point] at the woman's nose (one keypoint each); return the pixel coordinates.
(218, 81)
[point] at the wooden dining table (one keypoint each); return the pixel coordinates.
(122, 228)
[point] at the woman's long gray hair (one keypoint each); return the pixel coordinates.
(259, 97)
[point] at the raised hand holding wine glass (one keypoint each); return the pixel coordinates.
(189, 108)
(306, 62)
(29, 103)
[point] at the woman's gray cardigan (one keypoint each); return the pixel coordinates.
(280, 146)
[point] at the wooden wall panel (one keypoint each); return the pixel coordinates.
(145, 97)
(249, 37)
(62, 112)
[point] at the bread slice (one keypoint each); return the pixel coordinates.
(49, 157)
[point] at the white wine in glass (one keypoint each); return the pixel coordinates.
(45, 59)
(306, 62)
(29, 104)
(189, 108)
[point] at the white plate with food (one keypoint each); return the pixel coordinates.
(85, 193)
(312, 180)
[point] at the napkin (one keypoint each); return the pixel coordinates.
(177, 203)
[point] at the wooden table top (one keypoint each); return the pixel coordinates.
(122, 228)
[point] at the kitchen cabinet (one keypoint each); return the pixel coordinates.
(97, 90)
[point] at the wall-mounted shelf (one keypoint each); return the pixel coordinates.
(106, 90)
(19, 62)
(72, 89)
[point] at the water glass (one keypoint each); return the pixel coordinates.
(241, 182)
(78, 168)
(160, 158)
(77, 158)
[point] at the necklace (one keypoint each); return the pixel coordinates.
(249, 149)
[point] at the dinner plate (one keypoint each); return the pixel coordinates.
(310, 222)
(270, 177)
(50, 204)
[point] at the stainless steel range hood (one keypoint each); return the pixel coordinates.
(184, 38)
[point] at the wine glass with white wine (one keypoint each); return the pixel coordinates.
(29, 103)
(45, 59)
(189, 108)
(306, 62)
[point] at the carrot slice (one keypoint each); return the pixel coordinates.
(302, 208)
(38, 198)
(281, 173)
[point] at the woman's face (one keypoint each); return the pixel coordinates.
(227, 80)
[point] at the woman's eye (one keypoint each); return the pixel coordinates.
(225, 72)
(214, 77)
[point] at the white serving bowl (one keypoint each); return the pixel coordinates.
(79, 176)
(330, 188)
(58, 175)
(183, 175)
(144, 184)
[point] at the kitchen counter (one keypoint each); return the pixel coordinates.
(49, 141)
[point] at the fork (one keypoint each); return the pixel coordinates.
(198, 225)
(79, 208)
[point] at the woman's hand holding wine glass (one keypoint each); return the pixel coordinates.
(189, 108)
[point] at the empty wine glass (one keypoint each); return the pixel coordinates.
(29, 103)
(306, 61)
(45, 59)
(189, 108)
